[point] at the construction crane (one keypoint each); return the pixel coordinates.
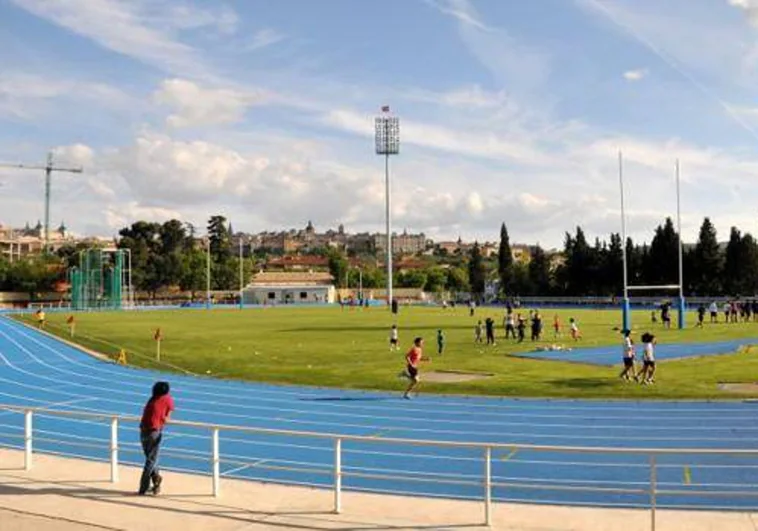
(49, 168)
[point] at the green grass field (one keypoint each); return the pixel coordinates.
(349, 348)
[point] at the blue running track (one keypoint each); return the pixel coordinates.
(37, 370)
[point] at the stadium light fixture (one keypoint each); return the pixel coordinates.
(387, 140)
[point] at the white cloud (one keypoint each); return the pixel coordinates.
(635, 75)
(76, 154)
(189, 17)
(26, 95)
(461, 10)
(750, 7)
(474, 203)
(198, 106)
(521, 67)
(140, 29)
(474, 143)
(122, 215)
(265, 37)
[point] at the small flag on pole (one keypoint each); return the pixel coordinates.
(385, 108)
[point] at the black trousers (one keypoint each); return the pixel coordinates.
(151, 442)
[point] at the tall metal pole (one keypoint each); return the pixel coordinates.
(389, 233)
(681, 250)
(48, 172)
(208, 275)
(242, 274)
(625, 310)
(387, 129)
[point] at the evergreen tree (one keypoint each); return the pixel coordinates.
(505, 262)
(577, 269)
(221, 241)
(338, 267)
(539, 272)
(749, 277)
(457, 280)
(143, 240)
(707, 262)
(613, 277)
(732, 262)
(663, 259)
(522, 283)
(633, 263)
(476, 272)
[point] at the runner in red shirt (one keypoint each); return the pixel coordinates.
(157, 412)
(414, 356)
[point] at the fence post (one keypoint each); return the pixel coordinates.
(28, 439)
(114, 450)
(653, 489)
(216, 465)
(487, 486)
(337, 475)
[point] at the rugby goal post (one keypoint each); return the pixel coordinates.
(626, 305)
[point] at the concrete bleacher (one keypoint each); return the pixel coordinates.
(62, 494)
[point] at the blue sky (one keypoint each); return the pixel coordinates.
(511, 111)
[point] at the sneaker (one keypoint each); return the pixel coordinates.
(407, 396)
(157, 484)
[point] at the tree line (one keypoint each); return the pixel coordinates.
(169, 255)
(584, 268)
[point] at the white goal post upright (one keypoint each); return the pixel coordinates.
(626, 306)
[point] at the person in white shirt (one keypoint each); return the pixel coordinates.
(576, 334)
(510, 326)
(628, 356)
(647, 372)
(714, 311)
(394, 343)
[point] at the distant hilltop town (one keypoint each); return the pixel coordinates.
(29, 241)
(16, 243)
(308, 239)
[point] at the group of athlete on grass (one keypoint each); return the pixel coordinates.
(514, 328)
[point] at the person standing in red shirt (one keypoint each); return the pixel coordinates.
(154, 417)
(414, 356)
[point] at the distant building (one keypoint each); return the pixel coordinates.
(402, 243)
(522, 254)
(17, 243)
(297, 263)
(290, 288)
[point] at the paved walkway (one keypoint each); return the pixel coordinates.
(62, 494)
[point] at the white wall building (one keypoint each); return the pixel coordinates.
(290, 288)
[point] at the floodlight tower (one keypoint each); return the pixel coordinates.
(387, 137)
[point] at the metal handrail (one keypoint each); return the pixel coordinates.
(395, 440)
(487, 482)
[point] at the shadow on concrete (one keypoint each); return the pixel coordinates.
(195, 505)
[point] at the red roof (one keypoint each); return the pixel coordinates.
(299, 260)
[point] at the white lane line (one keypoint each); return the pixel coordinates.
(320, 424)
(364, 426)
(573, 425)
(572, 405)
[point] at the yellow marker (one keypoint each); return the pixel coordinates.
(511, 454)
(687, 475)
(121, 357)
